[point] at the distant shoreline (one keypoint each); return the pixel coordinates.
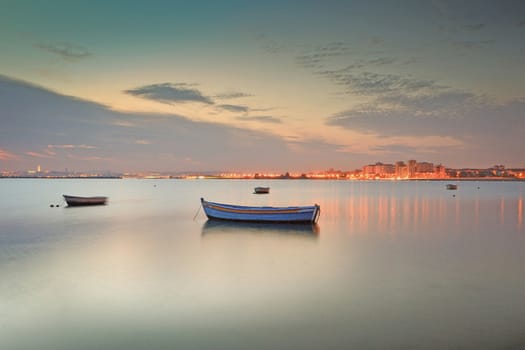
(204, 177)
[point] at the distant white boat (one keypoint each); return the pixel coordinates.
(75, 201)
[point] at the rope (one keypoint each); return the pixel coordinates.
(197, 213)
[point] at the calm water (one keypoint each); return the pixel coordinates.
(390, 265)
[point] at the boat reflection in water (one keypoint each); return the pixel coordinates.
(213, 227)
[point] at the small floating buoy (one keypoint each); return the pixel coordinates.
(56, 205)
(51, 205)
(453, 195)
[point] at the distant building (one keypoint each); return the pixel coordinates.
(412, 165)
(379, 169)
(440, 171)
(498, 170)
(424, 167)
(401, 170)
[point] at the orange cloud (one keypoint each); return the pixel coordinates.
(5, 155)
(38, 155)
(92, 158)
(71, 146)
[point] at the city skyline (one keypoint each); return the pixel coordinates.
(411, 170)
(261, 87)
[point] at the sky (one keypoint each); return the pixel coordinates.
(267, 86)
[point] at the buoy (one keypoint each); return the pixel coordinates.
(51, 205)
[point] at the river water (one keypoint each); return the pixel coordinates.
(390, 265)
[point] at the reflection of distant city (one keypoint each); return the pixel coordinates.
(218, 227)
(389, 213)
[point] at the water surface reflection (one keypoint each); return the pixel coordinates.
(216, 227)
(399, 265)
(400, 211)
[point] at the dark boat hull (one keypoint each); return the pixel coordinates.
(75, 201)
(261, 190)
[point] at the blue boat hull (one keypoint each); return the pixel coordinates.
(218, 211)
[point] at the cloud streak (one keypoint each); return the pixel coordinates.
(61, 136)
(370, 83)
(234, 108)
(38, 155)
(479, 130)
(471, 44)
(231, 95)
(67, 51)
(316, 57)
(170, 93)
(72, 146)
(260, 119)
(5, 155)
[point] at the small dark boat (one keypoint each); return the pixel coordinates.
(261, 190)
(75, 201)
(303, 214)
(452, 187)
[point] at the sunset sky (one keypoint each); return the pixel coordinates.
(260, 86)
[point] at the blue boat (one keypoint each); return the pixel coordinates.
(303, 214)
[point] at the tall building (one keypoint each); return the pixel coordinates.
(401, 170)
(441, 171)
(424, 167)
(379, 169)
(412, 164)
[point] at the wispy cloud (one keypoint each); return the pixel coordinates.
(155, 142)
(370, 83)
(445, 101)
(262, 109)
(67, 51)
(231, 95)
(234, 108)
(89, 158)
(272, 46)
(424, 111)
(5, 155)
(377, 40)
(143, 142)
(466, 117)
(471, 44)
(260, 119)
(395, 148)
(170, 93)
(316, 57)
(38, 155)
(71, 146)
(124, 123)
